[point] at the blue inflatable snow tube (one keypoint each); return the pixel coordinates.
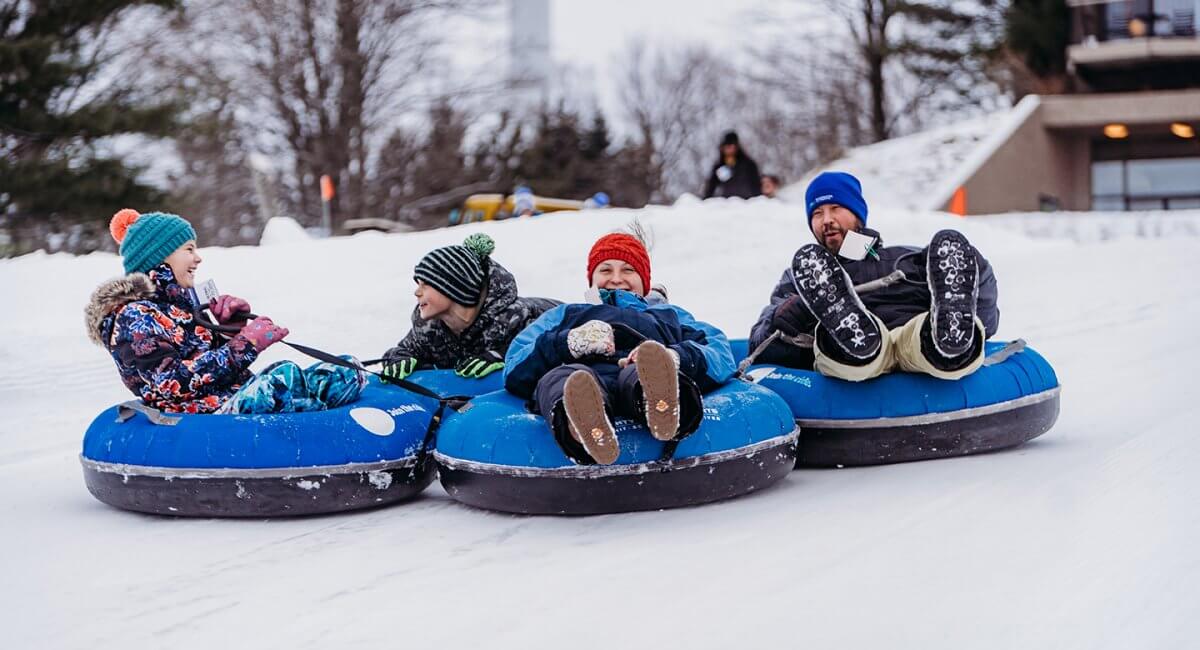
(361, 455)
(901, 417)
(497, 455)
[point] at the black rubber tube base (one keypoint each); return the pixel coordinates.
(249, 496)
(822, 446)
(653, 489)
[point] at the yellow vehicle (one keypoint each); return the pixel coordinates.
(488, 207)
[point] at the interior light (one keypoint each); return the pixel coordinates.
(1116, 131)
(1183, 130)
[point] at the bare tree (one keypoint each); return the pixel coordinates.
(887, 66)
(679, 101)
(317, 87)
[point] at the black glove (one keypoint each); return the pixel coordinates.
(793, 318)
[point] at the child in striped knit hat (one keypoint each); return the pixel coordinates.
(617, 355)
(467, 313)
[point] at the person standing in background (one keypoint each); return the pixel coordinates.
(735, 173)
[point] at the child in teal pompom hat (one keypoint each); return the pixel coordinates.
(147, 240)
(146, 321)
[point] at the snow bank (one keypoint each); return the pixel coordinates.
(1081, 539)
(283, 230)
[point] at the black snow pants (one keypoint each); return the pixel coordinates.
(622, 398)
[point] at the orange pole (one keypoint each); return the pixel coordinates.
(326, 188)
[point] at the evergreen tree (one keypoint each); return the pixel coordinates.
(442, 165)
(552, 162)
(1038, 32)
(54, 114)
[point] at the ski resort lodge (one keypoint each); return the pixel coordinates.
(1127, 141)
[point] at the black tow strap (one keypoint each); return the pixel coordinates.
(453, 401)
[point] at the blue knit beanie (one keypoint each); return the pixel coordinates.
(838, 188)
(147, 240)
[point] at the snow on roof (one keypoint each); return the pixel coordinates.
(922, 170)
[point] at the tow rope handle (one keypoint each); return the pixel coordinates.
(321, 355)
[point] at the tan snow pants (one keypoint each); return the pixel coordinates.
(900, 349)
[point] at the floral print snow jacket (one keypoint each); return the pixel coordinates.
(145, 322)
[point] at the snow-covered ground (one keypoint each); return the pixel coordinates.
(1084, 538)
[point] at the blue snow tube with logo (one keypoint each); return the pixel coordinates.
(902, 417)
(362, 455)
(495, 454)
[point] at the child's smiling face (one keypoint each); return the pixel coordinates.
(617, 274)
(183, 263)
(431, 303)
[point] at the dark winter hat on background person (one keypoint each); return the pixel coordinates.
(146, 240)
(624, 247)
(730, 137)
(838, 188)
(459, 271)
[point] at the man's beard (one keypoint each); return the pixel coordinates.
(833, 240)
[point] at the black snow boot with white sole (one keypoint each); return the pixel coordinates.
(827, 291)
(952, 271)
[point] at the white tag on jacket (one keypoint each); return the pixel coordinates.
(855, 245)
(205, 292)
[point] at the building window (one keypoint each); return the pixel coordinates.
(1148, 184)
(1116, 20)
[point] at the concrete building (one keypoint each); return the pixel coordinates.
(1127, 141)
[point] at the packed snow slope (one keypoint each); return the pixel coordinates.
(1084, 538)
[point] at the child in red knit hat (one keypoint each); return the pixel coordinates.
(617, 355)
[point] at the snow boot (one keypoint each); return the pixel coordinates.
(827, 291)
(952, 272)
(587, 420)
(659, 377)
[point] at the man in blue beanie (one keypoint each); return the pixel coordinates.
(929, 309)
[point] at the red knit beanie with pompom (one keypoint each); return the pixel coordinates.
(620, 246)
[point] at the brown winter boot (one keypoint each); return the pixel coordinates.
(584, 404)
(659, 377)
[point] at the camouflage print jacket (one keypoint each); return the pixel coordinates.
(501, 318)
(145, 322)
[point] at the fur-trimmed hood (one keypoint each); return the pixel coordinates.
(113, 295)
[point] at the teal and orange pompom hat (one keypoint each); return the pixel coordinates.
(146, 240)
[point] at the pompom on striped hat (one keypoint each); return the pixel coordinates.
(460, 271)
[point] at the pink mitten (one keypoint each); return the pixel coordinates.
(225, 308)
(262, 333)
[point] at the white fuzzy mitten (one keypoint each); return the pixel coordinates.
(594, 337)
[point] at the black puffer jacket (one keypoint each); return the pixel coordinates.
(894, 305)
(501, 318)
(745, 181)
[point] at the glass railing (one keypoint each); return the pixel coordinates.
(1130, 19)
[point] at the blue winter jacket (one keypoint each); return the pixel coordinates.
(704, 353)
